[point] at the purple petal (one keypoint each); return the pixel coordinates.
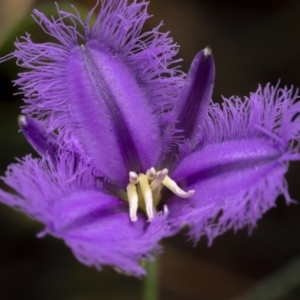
(239, 171)
(100, 96)
(98, 229)
(70, 203)
(113, 120)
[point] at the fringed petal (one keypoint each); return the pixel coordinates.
(100, 96)
(238, 171)
(98, 229)
(110, 114)
(69, 201)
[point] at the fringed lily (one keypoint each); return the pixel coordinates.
(130, 151)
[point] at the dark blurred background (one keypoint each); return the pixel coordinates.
(253, 42)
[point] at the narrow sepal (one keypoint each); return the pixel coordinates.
(193, 101)
(191, 107)
(41, 140)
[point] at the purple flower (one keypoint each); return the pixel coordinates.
(130, 150)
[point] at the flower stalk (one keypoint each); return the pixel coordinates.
(150, 285)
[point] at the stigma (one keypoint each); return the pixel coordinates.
(143, 192)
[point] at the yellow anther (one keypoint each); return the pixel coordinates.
(133, 201)
(172, 186)
(147, 195)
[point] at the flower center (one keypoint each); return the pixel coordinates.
(143, 191)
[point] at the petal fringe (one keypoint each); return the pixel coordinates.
(68, 200)
(238, 169)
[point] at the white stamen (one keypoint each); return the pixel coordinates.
(147, 195)
(172, 185)
(133, 201)
(144, 192)
(151, 173)
(156, 183)
(133, 178)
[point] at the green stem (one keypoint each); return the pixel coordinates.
(150, 282)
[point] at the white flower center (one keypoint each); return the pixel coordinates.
(143, 191)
